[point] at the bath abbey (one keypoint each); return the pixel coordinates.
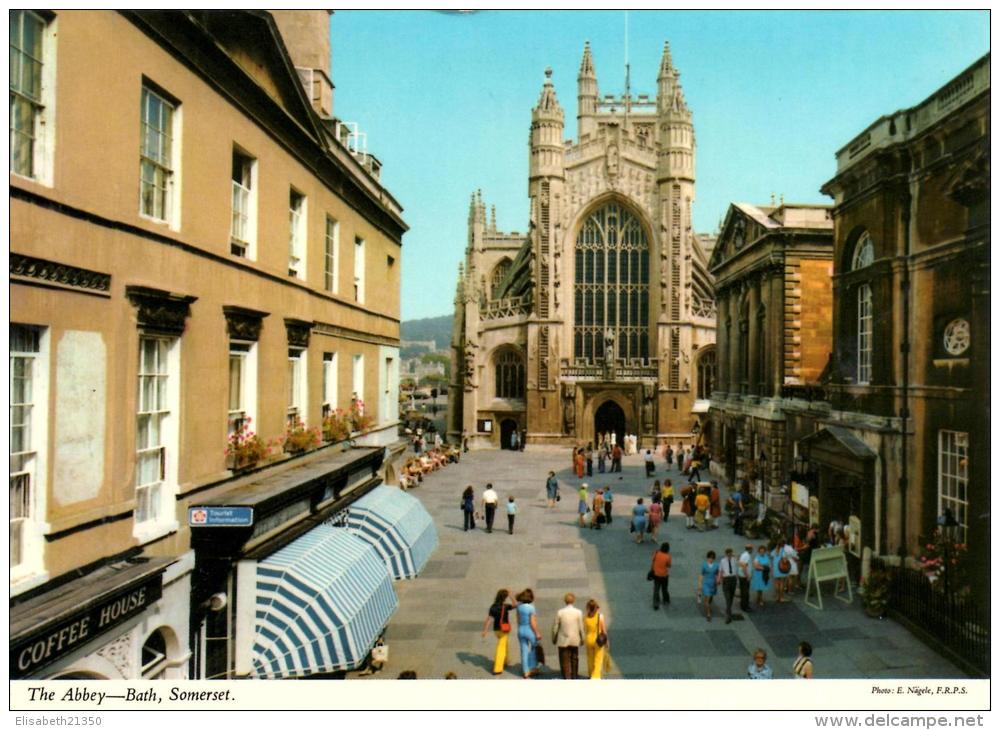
(600, 318)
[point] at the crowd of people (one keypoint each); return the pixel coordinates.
(430, 453)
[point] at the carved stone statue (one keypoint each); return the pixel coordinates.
(569, 408)
(648, 396)
(609, 355)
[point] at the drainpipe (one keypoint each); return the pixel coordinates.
(904, 348)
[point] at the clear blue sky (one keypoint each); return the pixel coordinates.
(446, 99)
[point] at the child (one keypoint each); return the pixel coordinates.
(511, 513)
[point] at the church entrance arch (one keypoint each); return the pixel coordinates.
(507, 427)
(610, 417)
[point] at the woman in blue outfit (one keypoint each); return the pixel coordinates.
(709, 582)
(761, 578)
(528, 634)
(639, 521)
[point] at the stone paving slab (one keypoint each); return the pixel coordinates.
(437, 626)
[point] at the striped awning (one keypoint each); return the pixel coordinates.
(321, 603)
(398, 527)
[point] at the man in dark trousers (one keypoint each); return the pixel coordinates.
(745, 571)
(729, 570)
(569, 633)
(490, 500)
(616, 458)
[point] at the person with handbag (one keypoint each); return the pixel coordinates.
(528, 636)
(638, 525)
(659, 573)
(596, 641)
(598, 518)
(781, 566)
(568, 632)
(469, 508)
(709, 582)
(499, 614)
(552, 488)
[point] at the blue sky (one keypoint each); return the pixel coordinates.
(446, 99)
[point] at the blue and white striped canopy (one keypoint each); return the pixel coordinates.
(322, 601)
(398, 526)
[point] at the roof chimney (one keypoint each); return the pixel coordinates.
(306, 34)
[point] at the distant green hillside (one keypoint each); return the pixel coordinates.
(431, 328)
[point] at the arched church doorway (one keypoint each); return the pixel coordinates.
(507, 428)
(610, 417)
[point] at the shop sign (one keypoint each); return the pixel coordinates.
(814, 510)
(220, 516)
(484, 425)
(800, 494)
(41, 648)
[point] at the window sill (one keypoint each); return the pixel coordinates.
(25, 580)
(147, 532)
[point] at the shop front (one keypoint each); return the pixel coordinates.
(122, 620)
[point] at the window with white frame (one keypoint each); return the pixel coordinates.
(24, 412)
(241, 384)
(953, 479)
(329, 383)
(331, 255)
(864, 334)
(359, 270)
(296, 234)
(358, 380)
(243, 230)
(27, 102)
(296, 385)
(156, 156)
(864, 252)
(153, 414)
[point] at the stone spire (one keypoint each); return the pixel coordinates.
(669, 94)
(548, 105)
(586, 95)
(493, 219)
(666, 63)
(546, 133)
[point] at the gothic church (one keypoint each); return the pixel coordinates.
(601, 317)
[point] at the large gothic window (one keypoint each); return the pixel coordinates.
(509, 375)
(612, 285)
(499, 272)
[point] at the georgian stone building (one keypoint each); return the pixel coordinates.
(195, 241)
(907, 435)
(595, 319)
(772, 267)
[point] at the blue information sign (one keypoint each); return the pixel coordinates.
(220, 516)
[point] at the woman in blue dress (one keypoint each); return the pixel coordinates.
(639, 521)
(709, 582)
(760, 579)
(528, 634)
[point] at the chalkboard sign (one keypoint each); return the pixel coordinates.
(828, 564)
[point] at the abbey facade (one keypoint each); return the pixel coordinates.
(600, 318)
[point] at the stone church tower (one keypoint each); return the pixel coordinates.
(599, 318)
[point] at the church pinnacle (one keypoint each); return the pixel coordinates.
(666, 62)
(587, 64)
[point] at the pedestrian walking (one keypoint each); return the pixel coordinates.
(589, 456)
(511, 514)
(552, 488)
(659, 573)
(758, 668)
(524, 438)
(616, 458)
(667, 497)
(729, 573)
(639, 521)
(596, 639)
(597, 517)
(650, 466)
(687, 505)
(568, 633)
(701, 504)
(761, 579)
(608, 499)
(513, 440)
(709, 582)
(670, 457)
(739, 511)
(803, 666)
(791, 554)
(780, 567)
(714, 505)
(528, 634)
(579, 463)
(655, 517)
(654, 492)
(490, 501)
(499, 615)
(601, 459)
(745, 574)
(581, 507)
(469, 509)
(465, 443)
(695, 469)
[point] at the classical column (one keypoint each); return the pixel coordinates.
(753, 376)
(722, 347)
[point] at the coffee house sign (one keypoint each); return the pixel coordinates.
(50, 642)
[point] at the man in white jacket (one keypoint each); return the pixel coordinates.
(568, 633)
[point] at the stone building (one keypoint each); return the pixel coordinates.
(772, 267)
(594, 319)
(907, 433)
(195, 244)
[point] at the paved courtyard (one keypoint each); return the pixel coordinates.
(437, 626)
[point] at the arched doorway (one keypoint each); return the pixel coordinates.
(507, 427)
(610, 417)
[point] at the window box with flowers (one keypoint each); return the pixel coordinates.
(360, 422)
(944, 562)
(244, 448)
(337, 426)
(298, 438)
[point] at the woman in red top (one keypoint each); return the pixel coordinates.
(660, 570)
(715, 508)
(579, 463)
